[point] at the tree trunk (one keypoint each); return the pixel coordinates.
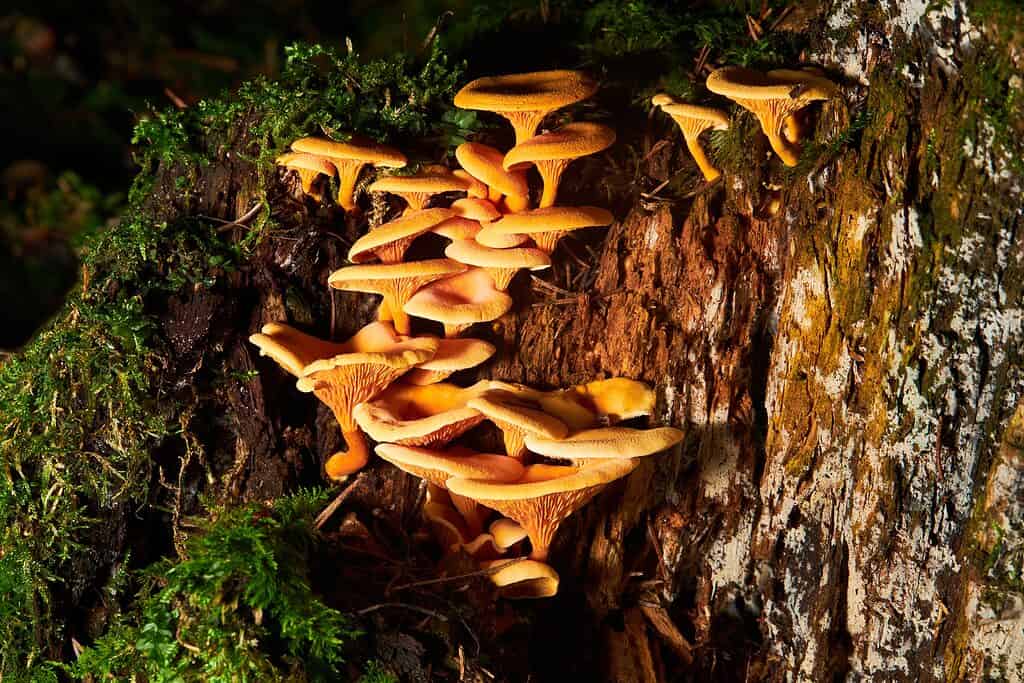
(847, 501)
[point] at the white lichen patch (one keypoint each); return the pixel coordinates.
(728, 562)
(807, 292)
(904, 241)
(995, 633)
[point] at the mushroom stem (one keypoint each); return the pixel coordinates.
(401, 320)
(788, 152)
(699, 156)
(307, 178)
(539, 553)
(348, 174)
(470, 512)
(384, 311)
(524, 123)
(344, 463)
(551, 174)
(792, 129)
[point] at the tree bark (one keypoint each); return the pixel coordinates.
(847, 501)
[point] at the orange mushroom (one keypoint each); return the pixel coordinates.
(389, 242)
(605, 443)
(548, 225)
(771, 100)
(516, 416)
(309, 167)
(485, 164)
(501, 264)
(693, 121)
(452, 355)
(525, 99)
(552, 153)
(350, 158)
(544, 496)
(396, 282)
(428, 415)
(418, 189)
(460, 301)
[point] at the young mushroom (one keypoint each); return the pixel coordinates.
(388, 242)
(520, 578)
(452, 355)
(773, 101)
(501, 264)
(792, 128)
(525, 99)
(694, 120)
(350, 158)
(293, 350)
(485, 164)
(437, 467)
(460, 301)
(548, 225)
(418, 189)
(512, 413)
(396, 282)
(309, 167)
(544, 496)
(412, 415)
(552, 153)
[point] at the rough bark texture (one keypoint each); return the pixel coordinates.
(845, 369)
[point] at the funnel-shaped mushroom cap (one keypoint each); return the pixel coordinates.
(546, 226)
(475, 209)
(452, 355)
(498, 240)
(502, 534)
(772, 100)
(344, 380)
(500, 264)
(617, 398)
(514, 416)
(606, 442)
(430, 415)
(417, 190)
(544, 496)
(460, 301)
(349, 158)
(552, 152)
(520, 578)
(792, 128)
(476, 190)
(396, 282)
(693, 121)
(308, 166)
(525, 99)
(437, 467)
(291, 349)
(485, 164)
(458, 228)
(389, 241)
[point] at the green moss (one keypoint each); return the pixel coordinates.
(238, 607)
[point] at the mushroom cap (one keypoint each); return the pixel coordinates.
(606, 442)
(814, 84)
(571, 141)
(426, 183)
(503, 406)
(476, 209)
(476, 189)
(459, 300)
(420, 415)
(661, 99)
(539, 481)
(472, 253)
(618, 398)
(400, 354)
(356, 149)
(701, 118)
(294, 350)
(499, 240)
(550, 219)
(458, 354)
(484, 163)
(408, 225)
(437, 467)
(307, 162)
(526, 92)
(361, 278)
(519, 578)
(457, 228)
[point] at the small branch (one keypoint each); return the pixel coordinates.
(402, 605)
(459, 577)
(326, 513)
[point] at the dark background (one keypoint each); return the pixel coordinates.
(75, 77)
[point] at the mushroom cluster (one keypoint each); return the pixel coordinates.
(387, 381)
(776, 98)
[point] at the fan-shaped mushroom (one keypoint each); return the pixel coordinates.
(349, 158)
(605, 443)
(309, 167)
(396, 282)
(693, 121)
(417, 189)
(460, 301)
(548, 225)
(516, 417)
(388, 242)
(485, 164)
(501, 264)
(413, 415)
(452, 355)
(552, 152)
(544, 496)
(525, 99)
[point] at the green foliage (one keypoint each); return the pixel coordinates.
(376, 673)
(239, 606)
